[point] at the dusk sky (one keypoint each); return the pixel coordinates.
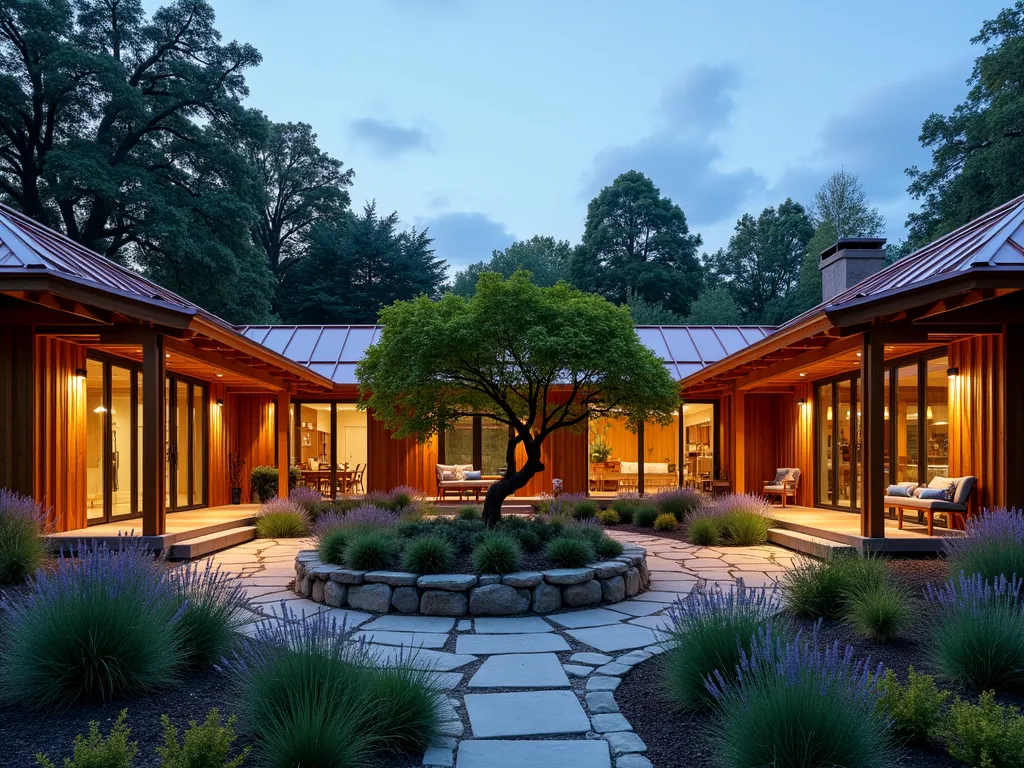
(490, 121)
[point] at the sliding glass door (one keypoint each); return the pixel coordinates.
(838, 444)
(185, 414)
(113, 440)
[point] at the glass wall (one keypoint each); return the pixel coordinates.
(937, 418)
(493, 447)
(351, 448)
(845, 445)
(121, 436)
(699, 444)
(613, 451)
(661, 455)
(906, 423)
(458, 442)
(96, 440)
(185, 415)
(315, 453)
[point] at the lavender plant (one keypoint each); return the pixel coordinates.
(104, 624)
(993, 545)
(795, 703)
(22, 549)
(281, 519)
(744, 518)
(978, 632)
(307, 498)
(678, 502)
(707, 632)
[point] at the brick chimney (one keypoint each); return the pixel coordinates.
(849, 261)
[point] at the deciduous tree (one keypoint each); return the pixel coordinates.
(502, 355)
(546, 259)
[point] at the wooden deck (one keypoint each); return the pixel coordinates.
(844, 528)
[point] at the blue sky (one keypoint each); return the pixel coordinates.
(488, 121)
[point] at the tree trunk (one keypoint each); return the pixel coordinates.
(513, 480)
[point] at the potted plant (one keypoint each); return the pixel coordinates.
(236, 468)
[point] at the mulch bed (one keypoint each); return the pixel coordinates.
(684, 740)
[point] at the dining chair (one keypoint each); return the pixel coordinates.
(357, 479)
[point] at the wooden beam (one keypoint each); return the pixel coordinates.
(1013, 358)
(191, 351)
(872, 385)
(154, 511)
(803, 360)
(281, 409)
(739, 441)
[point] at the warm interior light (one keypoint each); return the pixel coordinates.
(828, 414)
(220, 375)
(803, 373)
(887, 411)
(858, 354)
(167, 354)
(801, 402)
(929, 414)
(99, 409)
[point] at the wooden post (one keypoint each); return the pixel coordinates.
(739, 441)
(1013, 438)
(640, 474)
(872, 385)
(281, 415)
(154, 449)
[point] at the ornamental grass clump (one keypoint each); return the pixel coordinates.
(213, 608)
(281, 519)
(704, 528)
(878, 612)
(331, 546)
(609, 517)
(371, 551)
(497, 553)
(307, 498)
(666, 521)
(823, 588)
(993, 545)
(795, 703)
(626, 506)
(427, 555)
(570, 552)
(678, 502)
(744, 519)
(22, 547)
(707, 632)
(585, 510)
(564, 504)
(469, 512)
(645, 515)
(99, 626)
(609, 547)
(978, 632)
(311, 697)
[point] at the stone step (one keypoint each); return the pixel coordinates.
(200, 546)
(806, 543)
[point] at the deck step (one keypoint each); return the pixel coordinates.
(805, 543)
(190, 549)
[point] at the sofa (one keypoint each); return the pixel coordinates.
(453, 477)
(913, 496)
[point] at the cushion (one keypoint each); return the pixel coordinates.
(950, 492)
(630, 467)
(937, 505)
(473, 475)
(903, 489)
(656, 468)
(780, 476)
(933, 493)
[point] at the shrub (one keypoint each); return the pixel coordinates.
(22, 548)
(993, 546)
(915, 708)
(469, 512)
(823, 587)
(704, 530)
(744, 519)
(708, 632)
(678, 502)
(796, 703)
(403, 497)
(609, 547)
(497, 553)
(608, 517)
(985, 735)
(205, 746)
(978, 632)
(626, 507)
(312, 697)
(371, 551)
(513, 524)
(97, 627)
(586, 528)
(428, 554)
(309, 499)
(645, 515)
(213, 607)
(564, 504)
(666, 521)
(332, 545)
(878, 612)
(585, 509)
(281, 519)
(263, 482)
(94, 751)
(569, 552)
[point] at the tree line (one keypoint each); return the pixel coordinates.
(129, 133)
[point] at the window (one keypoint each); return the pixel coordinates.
(936, 437)
(661, 455)
(458, 442)
(838, 438)
(699, 464)
(493, 447)
(906, 424)
(96, 451)
(328, 444)
(613, 456)
(477, 442)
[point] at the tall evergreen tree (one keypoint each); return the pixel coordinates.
(546, 259)
(637, 241)
(356, 266)
(125, 131)
(978, 150)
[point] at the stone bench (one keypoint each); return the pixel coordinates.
(466, 594)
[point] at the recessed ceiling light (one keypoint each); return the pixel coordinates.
(858, 354)
(220, 375)
(803, 373)
(167, 354)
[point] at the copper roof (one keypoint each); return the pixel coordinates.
(334, 350)
(28, 247)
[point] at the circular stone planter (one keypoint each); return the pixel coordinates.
(465, 594)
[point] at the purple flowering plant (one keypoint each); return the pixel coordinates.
(992, 544)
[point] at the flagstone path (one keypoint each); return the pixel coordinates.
(529, 691)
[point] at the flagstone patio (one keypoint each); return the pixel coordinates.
(545, 682)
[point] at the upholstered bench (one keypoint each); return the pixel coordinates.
(452, 478)
(943, 494)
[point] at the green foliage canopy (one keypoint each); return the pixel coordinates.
(546, 259)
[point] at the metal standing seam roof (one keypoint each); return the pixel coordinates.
(334, 350)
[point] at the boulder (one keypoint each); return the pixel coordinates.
(608, 568)
(645, 575)
(568, 575)
(406, 599)
(323, 570)
(452, 582)
(345, 576)
(632, 578)
(496, 600)
(613, 590)
(439, 602)
(335, 594)
(370, 597)
(489, 578)
(394, 578)
(317, 595)
(587, 593)
(306, 586)
(546, 598)
(523, 579)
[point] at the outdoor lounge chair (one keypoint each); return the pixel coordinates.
(452, 478)
(784, 484)
(958, 488)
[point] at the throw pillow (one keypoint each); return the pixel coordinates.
(950, 492)
(460, 474)
(933, 493)
(781, 475)
(899, 490)
(447, 474)
(475, 475)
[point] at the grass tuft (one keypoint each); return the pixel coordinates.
(281, 519)
(570, 552)
(428, 554)
(497, 553)
(371, 551)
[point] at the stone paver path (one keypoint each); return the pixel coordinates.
(546, 683)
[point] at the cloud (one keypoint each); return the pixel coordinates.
(680, 155)
(463, 237)
(388, 139)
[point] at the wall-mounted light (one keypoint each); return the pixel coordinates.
(828, 414)
(81, 373)
(99, 409)
(801, 402)
(220, 403)
(220, 375)
(858, 354)
(802, 374)
(167, 354)
(953, 372)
